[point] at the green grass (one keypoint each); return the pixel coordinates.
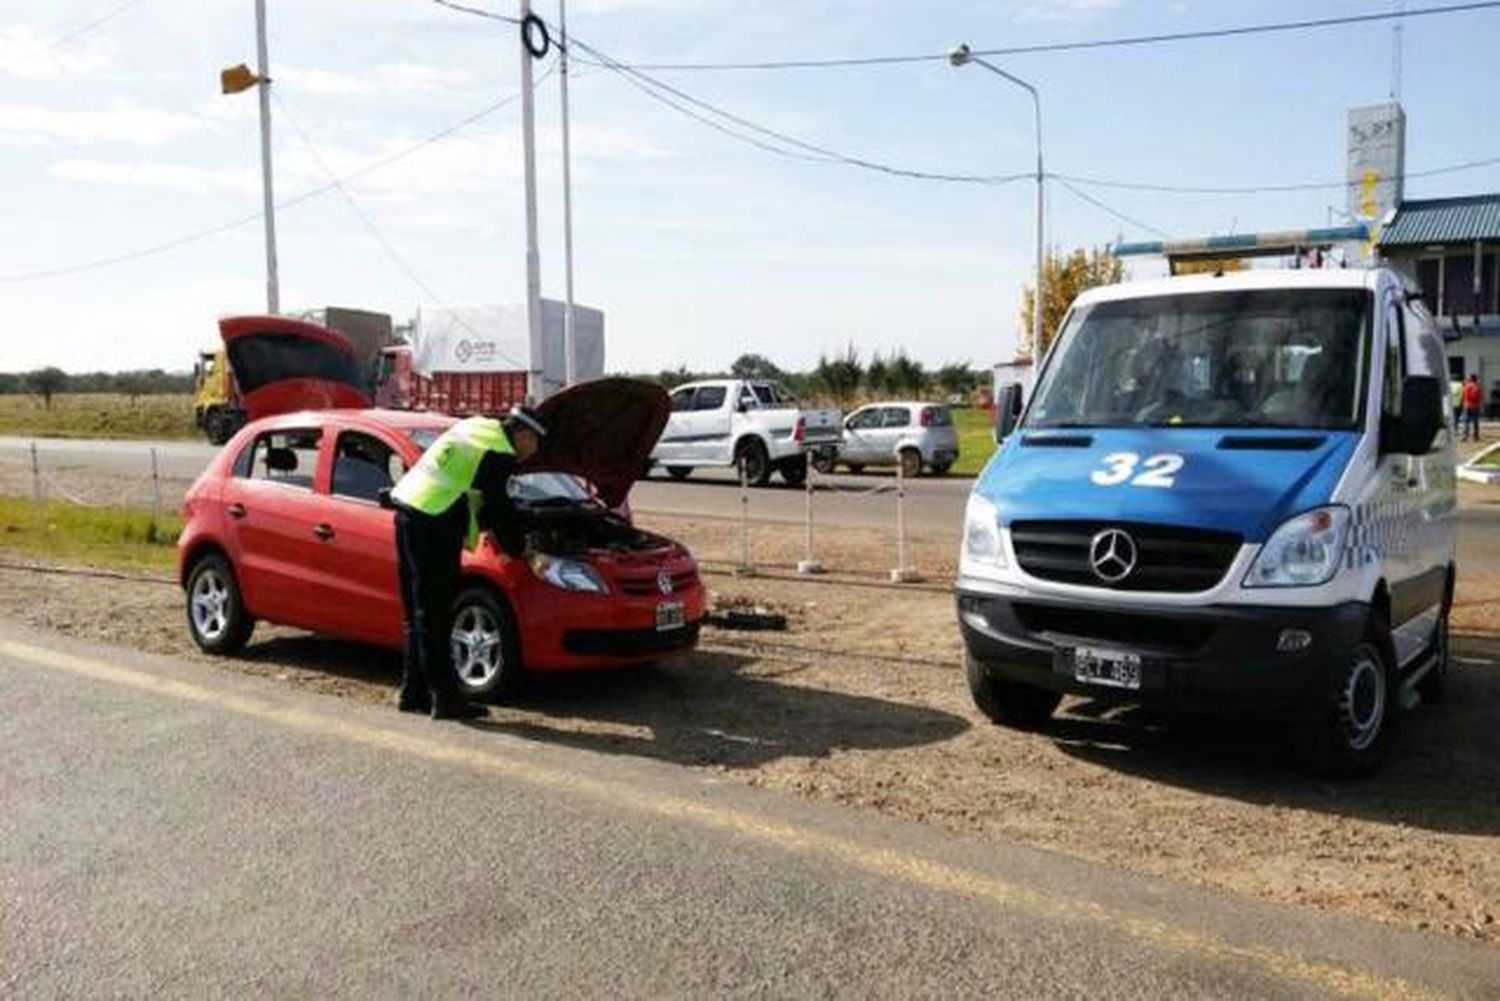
(1491, 461)
(98, 415)
(976, 439)
(56, 532)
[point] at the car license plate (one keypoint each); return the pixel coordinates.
(669, 616)
(1112, 668)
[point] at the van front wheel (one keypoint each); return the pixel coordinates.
(1009, 703)
(1351, 731)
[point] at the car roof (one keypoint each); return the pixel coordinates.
(390, 420)
(1263, 278)
(901, 403)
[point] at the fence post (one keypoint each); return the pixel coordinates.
(744, 569)
(36, 476)
(902, 574)
(809, 563)
(155, 529)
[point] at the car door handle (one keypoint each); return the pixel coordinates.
(235, 510)
(324, 531)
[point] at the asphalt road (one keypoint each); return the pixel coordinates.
(169, 830)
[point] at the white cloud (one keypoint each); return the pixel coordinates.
(27, 55)
(121, 122)
(152, 174)
(1063, 10)
(383, 78)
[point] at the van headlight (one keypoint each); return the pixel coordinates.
(570, 575)
(1304, 552)
(983, 550)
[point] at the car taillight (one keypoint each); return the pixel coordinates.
(926, 418)
(800, 432)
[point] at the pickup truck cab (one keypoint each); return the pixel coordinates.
(1227, 492)
(754, 425)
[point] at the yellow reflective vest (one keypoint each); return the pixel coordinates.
(447, 469)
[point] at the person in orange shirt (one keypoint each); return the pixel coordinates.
(1473, 399)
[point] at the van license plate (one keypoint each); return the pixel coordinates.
(669, 616)
(1112, 668)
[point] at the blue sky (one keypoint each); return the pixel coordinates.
(697, 247)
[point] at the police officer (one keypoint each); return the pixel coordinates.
(457, 486)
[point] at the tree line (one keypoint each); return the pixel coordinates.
(848, 375)
(51, 381)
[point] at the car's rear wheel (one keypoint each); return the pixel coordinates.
(1010, 703)
(824, 463)
(1350, 733)
(941, 468)
(486, 646)
(216, 614)
(679, 472)
(751, 457)
(794, 471)
(911, 463)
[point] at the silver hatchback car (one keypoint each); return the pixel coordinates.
(913, 434)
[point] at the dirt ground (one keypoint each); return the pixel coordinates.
(863, 701)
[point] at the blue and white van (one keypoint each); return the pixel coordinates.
(1227, 492)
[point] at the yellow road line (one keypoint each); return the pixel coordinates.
(884, 863)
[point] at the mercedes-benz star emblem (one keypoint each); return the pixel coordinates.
(1112, 555)
(664, 582)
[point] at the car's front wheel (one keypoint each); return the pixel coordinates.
(486, 646)
(679, 472)
(1350, 732)
(1010, 703)
(216, 614)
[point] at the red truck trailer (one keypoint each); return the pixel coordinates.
(399, 387)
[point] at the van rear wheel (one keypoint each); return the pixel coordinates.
(1009, 703)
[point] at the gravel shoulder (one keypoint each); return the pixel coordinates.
(863, 701)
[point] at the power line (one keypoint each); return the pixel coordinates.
(1112, 210)
(89, 26)
(492, 15)
(1183, 189)
(203, 234)
(1100, 43)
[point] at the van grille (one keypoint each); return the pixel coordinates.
(1169, 558)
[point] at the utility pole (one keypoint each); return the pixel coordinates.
(268, 208)
(569, 347)
(533, 257)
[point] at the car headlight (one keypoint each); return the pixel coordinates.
(570, 575)
(1304, 552)
(983, 551)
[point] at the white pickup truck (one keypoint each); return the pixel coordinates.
(736, 422)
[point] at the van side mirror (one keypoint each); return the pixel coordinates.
(1008, 404)
(1423, 408)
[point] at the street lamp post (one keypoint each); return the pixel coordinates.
(962, 56)
(569, 360)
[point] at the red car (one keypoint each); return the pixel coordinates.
(287, 525)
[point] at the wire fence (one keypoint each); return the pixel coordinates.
(55, 476)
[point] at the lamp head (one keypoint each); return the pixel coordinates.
(959, 55)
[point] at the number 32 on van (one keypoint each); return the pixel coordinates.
(1157, 471)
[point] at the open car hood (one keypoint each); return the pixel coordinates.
(283, 366)
(603, 431)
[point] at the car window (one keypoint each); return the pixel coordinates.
(286, 457)
(865, 419)
(749, 398)
(245, 460)
(709, 398)
(682, 400)
(537, 488)
(895, 417)
(363, 466)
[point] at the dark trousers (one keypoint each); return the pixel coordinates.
(428, 550)
(1471, 423)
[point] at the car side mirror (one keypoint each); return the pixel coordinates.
(1423, 407)
(1008, 404)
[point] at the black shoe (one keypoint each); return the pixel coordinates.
(409, 703)
(458, 710)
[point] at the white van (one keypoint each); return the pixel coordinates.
(1227, 492)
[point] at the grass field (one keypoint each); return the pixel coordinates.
(98, 415)
(110, 537)
(976, 440)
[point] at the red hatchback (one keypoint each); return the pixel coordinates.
(286, 525)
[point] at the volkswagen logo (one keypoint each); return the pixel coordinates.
(664, 582)
(1112, 555)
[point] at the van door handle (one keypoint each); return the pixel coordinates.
(324, 531)
(235, 510)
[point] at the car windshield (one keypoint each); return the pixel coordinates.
(1254, 358)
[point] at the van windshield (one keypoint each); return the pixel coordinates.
(1253, 358)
